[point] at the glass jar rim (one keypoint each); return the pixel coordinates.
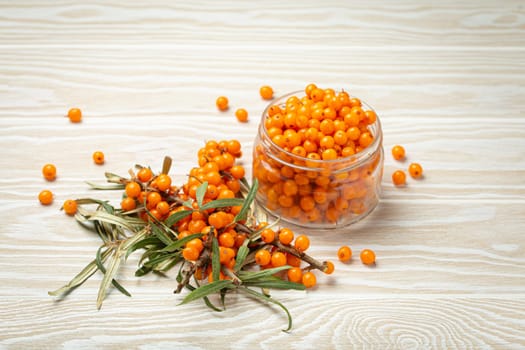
(353, 159)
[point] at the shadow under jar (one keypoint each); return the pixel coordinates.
(303, 188)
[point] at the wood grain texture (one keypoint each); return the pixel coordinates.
(446, 79)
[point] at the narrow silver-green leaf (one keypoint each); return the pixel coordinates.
(249, 275)
(206, 290)
(243, 213)
(263, 297)
(222, 203)
(102, 268)
(201, 191)
(242, 253)
(82, 276)
(104, 187)
(274, 283)
(109, 276)
(174, 218)
(215, 259)
(181, 242)
(157, 231)
(112, 219)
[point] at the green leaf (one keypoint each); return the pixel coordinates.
(150, 241)
(107, 207)
(243, 213)
(275, 283)
(158, 232)
(81, 277)
(207, 289)
(242, 253)
(176, 217)
(249, 275)
(263, 297)
(181, 242)
(109, 276)
(215, 259)
(112, 219)
(206, 299)
(102, 269)
(201, 191)
(104, 187)
(222, 203)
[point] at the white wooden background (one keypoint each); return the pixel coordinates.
(446, 77)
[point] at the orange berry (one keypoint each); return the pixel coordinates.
(45, 197)
(295, 274)
(263, 257)
(302, 243)
(399, 178)
(217, 220)
(152, 199)
(195, 243)
(227, 240)
(293, 260)
(144, 174)
(344, 253)
(309, 280)
(278, 259)
(234, 146)
(266, 92)
(190, 253)
(163, 208)
(268, 235)
(368, 257)
(70, 207)
(49, 171)
(415, 170)
(226, 194)
(237, 171)
(163, 182)
(329, 269)
(242, 115)
(398, 152)
(222, 103)
(74, 115)
(98, 157)
(133, 189)
(128, 204)
(226, 255)
(286, 236)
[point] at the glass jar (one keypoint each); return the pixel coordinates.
(316, 193)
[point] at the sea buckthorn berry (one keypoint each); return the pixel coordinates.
(293, 260)
(242, 115)
(368, 257)
(398, 152)
(344, 253)
(70, 207)
(268, 235)
(144, 174)
(74, 115)
(399, 178)
(226, 255)
(278, 259)
(295, 274)
(222, 103)
(45, 197)
(309, 89)
(163, 208)
(266, 92)
(263, 257)
(329, 267)
(152, 199)
(237, 171)
(190, 253)
(49, 171)
(163, 182)
(227, 240)
(128, 204)
(98, 157)
(302, 243)
(226, 194)
(195, 243)
(415, 170)
(286, 236)
(133, 189)
(217, 220)
(234, 146)
(309, 280)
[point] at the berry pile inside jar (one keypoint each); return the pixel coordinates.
(317, 158)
